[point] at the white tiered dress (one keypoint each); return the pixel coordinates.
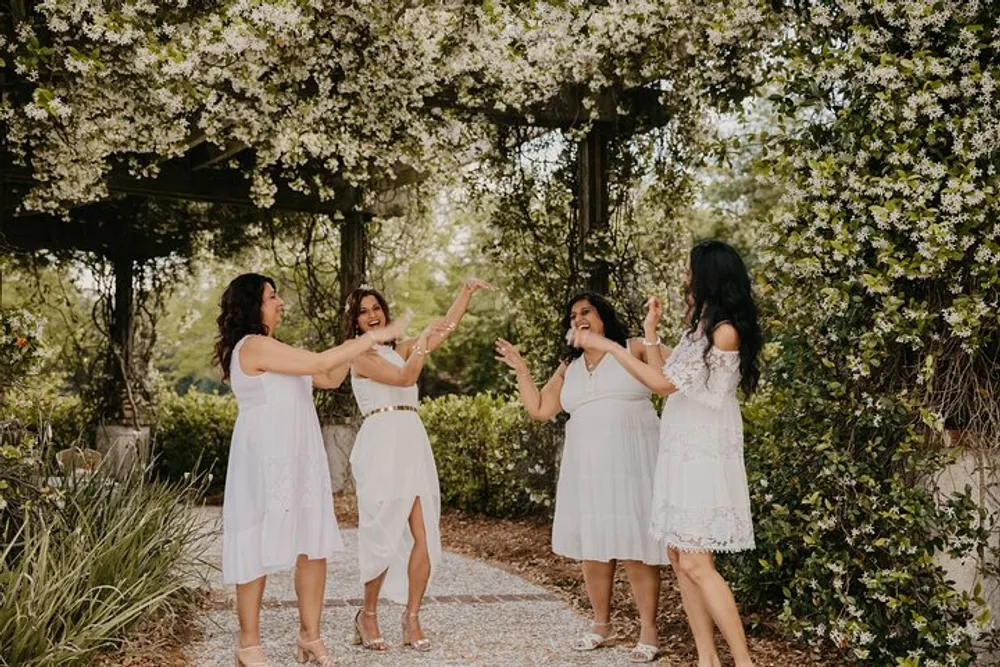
(393, 465)
(701, 501)
(278, 501)
(606, 476)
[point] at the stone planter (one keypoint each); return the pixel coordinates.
(339, 441)
(122, 448)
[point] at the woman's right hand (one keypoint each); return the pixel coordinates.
(508, 354)
(654, 313)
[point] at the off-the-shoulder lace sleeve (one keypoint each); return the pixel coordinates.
(707, 380)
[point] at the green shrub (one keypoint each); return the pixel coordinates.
(848, 521)
(101, 557)
(491, 458)
(192, 435)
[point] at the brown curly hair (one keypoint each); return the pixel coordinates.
(352, 310)
(239, 316)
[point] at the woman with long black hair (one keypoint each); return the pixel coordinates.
(701, 503)
(278, 510)
(606, 474)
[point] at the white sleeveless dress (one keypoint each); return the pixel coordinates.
(701, 501)
(393, 465)
(606, 475)
(278, 500)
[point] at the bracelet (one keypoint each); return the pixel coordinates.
(651, 344)
(420, 351)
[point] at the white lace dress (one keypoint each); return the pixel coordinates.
(606, 475)
(700, 499)
(393, 465)
(278, 501)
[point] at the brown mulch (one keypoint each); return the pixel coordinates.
(159, 641)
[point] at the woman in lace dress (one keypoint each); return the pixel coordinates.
(701, 504)
(278, 511)
(606, 474)
(399, 501)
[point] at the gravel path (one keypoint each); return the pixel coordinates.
(476, 615)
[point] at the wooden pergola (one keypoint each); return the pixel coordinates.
(211, 173)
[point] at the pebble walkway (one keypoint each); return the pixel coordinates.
(476, 615)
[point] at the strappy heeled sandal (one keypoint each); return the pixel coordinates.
(643, 653)
(422, 645)
(310, 652)
(591, 640)
(251, 656)
(377, 644)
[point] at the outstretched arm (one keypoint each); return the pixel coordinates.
(542, 404)
(332, 378)
(643, 372)
(262, 354)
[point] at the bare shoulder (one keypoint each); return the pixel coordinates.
(726, 337)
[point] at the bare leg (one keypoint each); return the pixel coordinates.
(310, 586)
(702, 626)
(248, 600)
(718, 600)
(599, 578)
(418, 570)
(369, 620)
(645, 581)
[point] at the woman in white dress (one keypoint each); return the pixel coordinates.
(606, 474)
(701, 503)
(278, 510)
(399, 501)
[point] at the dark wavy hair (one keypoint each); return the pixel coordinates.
(239, 316)
(721, 292)
(352, 310)
(614, 328)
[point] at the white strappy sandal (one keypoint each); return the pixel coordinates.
(422, 645)
(643, 653)
(591, 640)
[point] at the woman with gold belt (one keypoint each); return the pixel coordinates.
(399, 501)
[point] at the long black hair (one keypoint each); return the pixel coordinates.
(721, 292)
(614, 328)
(239, 316)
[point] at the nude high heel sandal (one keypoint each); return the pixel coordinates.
(422, 645)
(377, 644)
(313, 652)
(251, 656)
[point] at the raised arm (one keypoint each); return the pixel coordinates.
(264, 354)
(542, 404)
(457, 311)
(653, 352)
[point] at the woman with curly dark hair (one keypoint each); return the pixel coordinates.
(606, 475)
(701, 503)
(278, 510)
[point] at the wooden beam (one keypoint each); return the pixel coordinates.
(592, 205)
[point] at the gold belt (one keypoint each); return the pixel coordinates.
(389, 408)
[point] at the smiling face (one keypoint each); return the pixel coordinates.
(584, 316)
(370, 315)
(271, 308)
